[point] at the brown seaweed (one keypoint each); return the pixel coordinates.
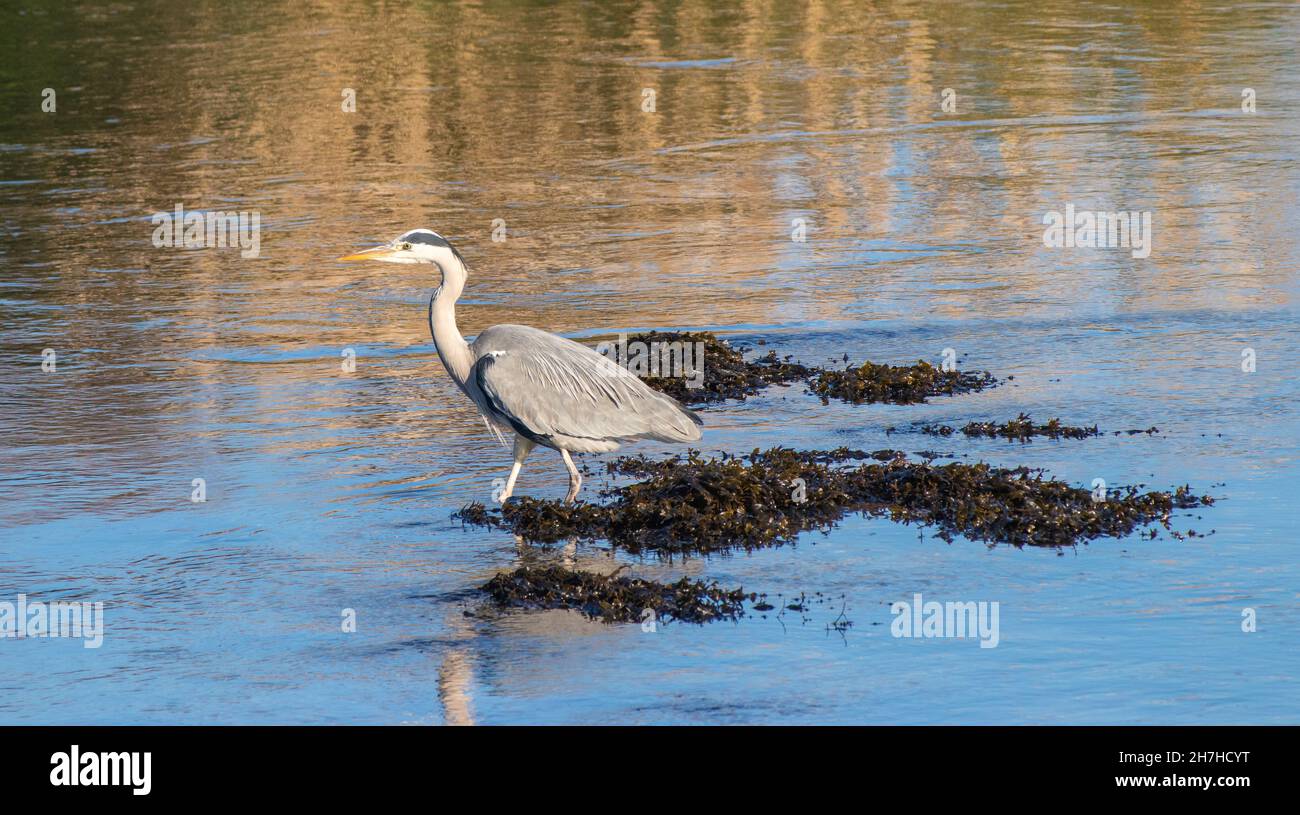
(615, 599)
(1021, 428)
(694, 505)
(726, 372)
(728, 375)
(899, 385)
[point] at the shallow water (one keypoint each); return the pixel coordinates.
(329, 490)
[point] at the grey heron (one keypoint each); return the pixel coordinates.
(543, 388)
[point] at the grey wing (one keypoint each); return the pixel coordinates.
(553, 389)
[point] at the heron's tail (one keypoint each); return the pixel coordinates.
(673, 422)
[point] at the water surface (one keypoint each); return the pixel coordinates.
(329, 490)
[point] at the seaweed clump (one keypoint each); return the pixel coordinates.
(726, 374)
(725, 371)
(896, 384)
(699, 506)
(615, 599)
(1021, 428)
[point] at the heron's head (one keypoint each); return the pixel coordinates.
(416, 246)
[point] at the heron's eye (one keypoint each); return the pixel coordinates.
(405, 247)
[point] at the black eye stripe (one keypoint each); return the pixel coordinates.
(425, 237)
(430, 239)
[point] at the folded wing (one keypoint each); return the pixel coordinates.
(549, 388)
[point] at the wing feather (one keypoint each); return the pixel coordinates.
(547, 386)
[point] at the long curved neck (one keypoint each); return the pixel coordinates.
(452, 348)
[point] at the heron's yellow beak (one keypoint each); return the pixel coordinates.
(377, 253)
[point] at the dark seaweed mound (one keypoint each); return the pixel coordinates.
(1021, 428)
(614, 599)
(728, 375)
(898, 385)
(693, 505)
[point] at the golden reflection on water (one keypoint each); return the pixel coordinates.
(617, 218)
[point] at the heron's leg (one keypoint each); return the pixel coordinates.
(575, 478)
(522, 448)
